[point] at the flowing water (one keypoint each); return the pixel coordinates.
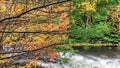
(101, 57)
(94, 57)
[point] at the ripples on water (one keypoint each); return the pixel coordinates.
(93, 58)
(100, 57)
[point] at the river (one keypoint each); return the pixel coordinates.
(95, 57)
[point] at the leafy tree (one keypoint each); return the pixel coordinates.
(91, 21)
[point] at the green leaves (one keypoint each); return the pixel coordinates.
(91, 26)
(101, 15)
(95, 31)
(36, 18)
(113, 2)
(57, 20)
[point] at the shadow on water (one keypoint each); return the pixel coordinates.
(103, 52)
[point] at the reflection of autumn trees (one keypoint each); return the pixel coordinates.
(32, 24)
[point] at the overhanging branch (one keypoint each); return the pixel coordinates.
(27, 51)
(32, 10)
(40, 32)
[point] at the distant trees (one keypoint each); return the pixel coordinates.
(95, 21)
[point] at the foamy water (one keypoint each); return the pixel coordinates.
(80, 61)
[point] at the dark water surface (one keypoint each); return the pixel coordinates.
(87, 57)
(103, 52)
(92, 57)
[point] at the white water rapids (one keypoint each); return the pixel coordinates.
(80, 61)
(93, 58)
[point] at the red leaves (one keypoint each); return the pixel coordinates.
(53, 55)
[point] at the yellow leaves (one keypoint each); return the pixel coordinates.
(73, 21)
(19, 29)
(31, 64)
(85, 3)
(15, 9)
(35, 64)
(56, 38)
(14, 66)
(28, 65)
(86, 6)
(90, 8)
(35, 40)
(39, 39)
(10, 7)
(3, 61)
(7, 39)
(44, 36)
(107, 1)
(96, 1)
(10, 40)
(14, 38)
(2, 7)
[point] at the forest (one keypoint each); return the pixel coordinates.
(32, 31)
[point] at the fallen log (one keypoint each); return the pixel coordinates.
(94, 45)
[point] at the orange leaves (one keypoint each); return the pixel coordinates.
(32, 41)
(63, 26)
(53, 55)
(40, 44)
(64, 15)
(59, 8)
(48, 26)
(30, 46)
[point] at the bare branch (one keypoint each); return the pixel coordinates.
(27, 51)
(41, 32)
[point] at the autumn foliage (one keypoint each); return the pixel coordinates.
(32, 29)
(50, 19)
